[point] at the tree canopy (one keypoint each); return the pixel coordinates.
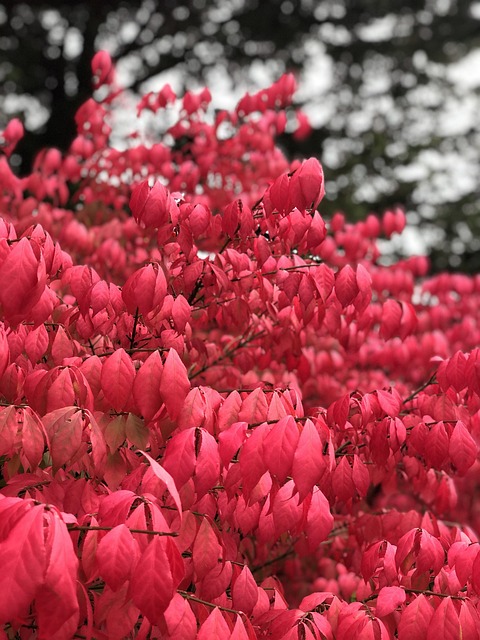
(389, 87)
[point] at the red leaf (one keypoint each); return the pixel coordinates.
(245, 591)
(180, 619)
(254, 407)
(56, 602)
(146, 386)
(206, 551)
(391, 319)
(469, 620)
(194, 409)
(62, 347)
(99, 446)
(23, 561)
(118, 375)
(360, 476)
(216, 582)
(456, 371)
(117, 554)
(319, 520)
(4, 352)
(215, 627)
(207, 467)
(415, 620)
(179, 459)
(252, 459)
(60, 392)
(33, 440)
(239, 632)
(389, 598)
(445, 623)
(8, 430)
(22, 281)
(306, 188)
(228, 412)
(65, 429)
(117, 612)
(174, 384)
(163, 475)
(390, 402)
(309, 463)
(181, 313)
(145, 289)
(152, 586)
(342, 481)
(462, 449)
(36, 344)
(346, 286)
(102, 68)
(279, 446)
(230, 218)
(437, 445)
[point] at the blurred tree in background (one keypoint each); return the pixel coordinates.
(391, 87)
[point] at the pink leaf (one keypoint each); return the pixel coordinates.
(174, 384)
(166, 479)
(389, 598)
(23, 561)
(462, 448)
(215, 627)
(279, 446)
(152, 586)
(319, 520)
(146, 387)
(56, 602)
(346, 286)
(118, 375)
(245, 591)
(206, 550)
(117, 554)
(309, 463)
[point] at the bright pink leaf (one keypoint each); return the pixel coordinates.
(206, 551)
(245, 591)
(56, 602)
(163, 475)
(174, 384)
(152, 586)
(319, 520)
(389, 598)
(346, 286)
(23, 561)
(117, 554)
(118, 375)
(215, 627)
(462, 448)
(279, 446)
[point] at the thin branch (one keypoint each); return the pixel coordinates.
(189, 596)
(129, 351)
(146, 531)
(427, 592)
(228, 353)
(430, 381)
(134, 329)
(272, 561)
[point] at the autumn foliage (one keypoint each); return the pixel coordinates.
(222, 416)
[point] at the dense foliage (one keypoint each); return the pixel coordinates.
(391, 86)
(220, 416)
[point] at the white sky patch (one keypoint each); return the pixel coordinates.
(466, 72)
(411, 242)
(378, 30)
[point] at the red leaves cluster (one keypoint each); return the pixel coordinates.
(221, 416)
